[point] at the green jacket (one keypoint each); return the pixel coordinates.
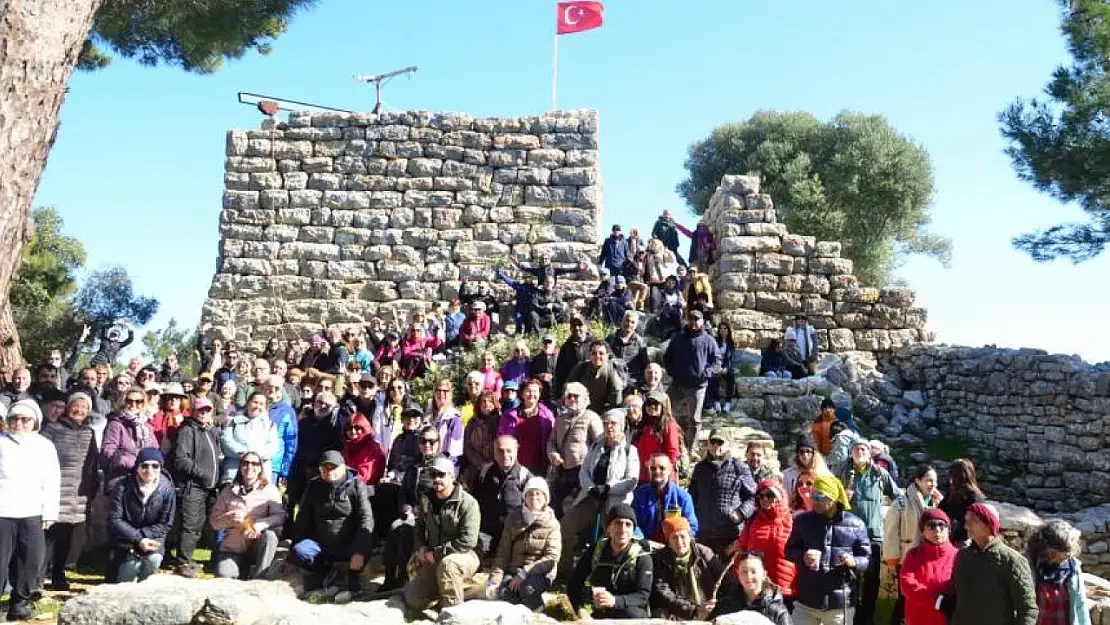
(453, 529)
(993, 586)
(868, 489)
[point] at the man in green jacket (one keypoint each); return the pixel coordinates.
(992, 582)
(447, 522)
(868, 484)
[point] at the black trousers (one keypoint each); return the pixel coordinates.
(398, 549)
(21, 551)
(193, 507)
(385, 505)
(869, 587)
(58, 540)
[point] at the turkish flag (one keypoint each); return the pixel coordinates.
(575, 17)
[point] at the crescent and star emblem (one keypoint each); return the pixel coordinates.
(576, 12)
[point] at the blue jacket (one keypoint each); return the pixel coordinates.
(285, 420)
(452, 323)
(844, 534)
(691, 358)
(648, 515)
(614, 253)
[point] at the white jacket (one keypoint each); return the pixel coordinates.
(30, 479)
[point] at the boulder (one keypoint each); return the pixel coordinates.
(478, 612)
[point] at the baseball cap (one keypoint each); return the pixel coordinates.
(202, 402)
(332, 457)
(549, 338)
(621, 280)
(511, 385)
(444, 465)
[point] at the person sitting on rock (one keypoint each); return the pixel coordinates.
(803, 351)
(600, 377)
(536, 304)
(447, 524)
(660, 498)
(476, 327)
(616, 303)
(656, 432)
(250, 514)
(686, 574)
(413, 479)
(772, 361)
(140, 515)
(333, 524)
(723, 492)
(751, 590)
(629, 349)
(499, 489)
(672, 305)
(614, 579)
(528, 551)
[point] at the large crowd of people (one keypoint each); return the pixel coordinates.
(565, 469)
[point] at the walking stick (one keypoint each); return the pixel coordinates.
(721, 578)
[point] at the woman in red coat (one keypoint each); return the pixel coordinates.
(362, 452)
(927, 570)
(766, 534)
(659, 434)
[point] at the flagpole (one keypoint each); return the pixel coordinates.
(555, 74)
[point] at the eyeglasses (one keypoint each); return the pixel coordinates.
(250, 463)
(133, 402)
(20, 419)
(429, 441)
(367, 385)
(572, 396)
(150, 466)
(936, 526)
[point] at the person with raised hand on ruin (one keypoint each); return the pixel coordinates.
(666, 231)
(111, 343)
(685, 574)
(926, 573)
(140, 516)
(691, 358)
(544, 268)
(529, 550)
(1053, 551)
(992, 582)
(446, 536)
(249, 512)
(963, 492)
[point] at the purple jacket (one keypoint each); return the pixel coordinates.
(450, 428)
(532, 434)
(515, 370)
(124, 436)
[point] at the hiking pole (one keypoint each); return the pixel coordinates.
(721, 578)
(846, 589)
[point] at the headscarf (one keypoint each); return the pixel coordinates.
(832, 488)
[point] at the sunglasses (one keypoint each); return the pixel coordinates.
(133, 402)
(806, 484)
(820, 497)
(768, 494)
(250, 463)
(429, 441)
(365, 385)
(657, 469)
(936, 526)
(20, 418)
(150, 466)
(716, 441)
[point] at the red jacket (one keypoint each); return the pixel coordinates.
(648, 444)
(766, 533)
(364, 454)
(474, 329)
(926, 574)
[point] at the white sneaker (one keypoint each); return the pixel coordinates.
(728, 406)
(716, 406)
(343, 596)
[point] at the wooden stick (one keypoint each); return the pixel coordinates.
(721, 579)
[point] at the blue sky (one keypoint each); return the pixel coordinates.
(137, 168)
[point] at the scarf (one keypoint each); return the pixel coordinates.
(146, 490)
(1055, 574)
(687, 579)
(529, 515)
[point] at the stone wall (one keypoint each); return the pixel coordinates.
(356, 215)
(764, 275)
(1037, 423)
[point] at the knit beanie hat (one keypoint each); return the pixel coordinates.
(933, 514)
(987, 515)
(805, 440)
(149, 454)
(77, 395)
(675, 523)
(540, 484)
(26, 408)
(622, 511)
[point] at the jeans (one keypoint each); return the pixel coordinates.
(310, 555)
(21, 551)
(530, 593)
(247, 565)
(130, 566)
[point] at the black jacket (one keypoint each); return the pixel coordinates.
(404, 453)
(769, 603)
(630, 583)
(570, 354)
(417, 481)
(129, 519)
(719, 489)
(314, 437)
(633, 353)
(78, 460)
(197, 455)
(498, 494)
(337, 516)
(691, 358)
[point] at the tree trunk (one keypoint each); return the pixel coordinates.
(39, 43)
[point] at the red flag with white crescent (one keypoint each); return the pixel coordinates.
(575, 17)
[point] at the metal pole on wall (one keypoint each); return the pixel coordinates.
(555, 75)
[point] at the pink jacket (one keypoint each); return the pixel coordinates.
(262, 506)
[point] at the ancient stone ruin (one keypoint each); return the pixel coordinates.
(356, 215)
(764, 275)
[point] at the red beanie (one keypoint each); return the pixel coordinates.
(988, 516)
(933, 514)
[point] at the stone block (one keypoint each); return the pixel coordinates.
(797, 245)
(778, 264)
(777, 302)
(830, 266)
(750, 245)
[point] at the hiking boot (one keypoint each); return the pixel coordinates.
(20, 612)
(343, 597)
(188, 569)
(60, 585)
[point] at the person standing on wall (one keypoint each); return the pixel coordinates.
(805, 338)
(691, 359)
